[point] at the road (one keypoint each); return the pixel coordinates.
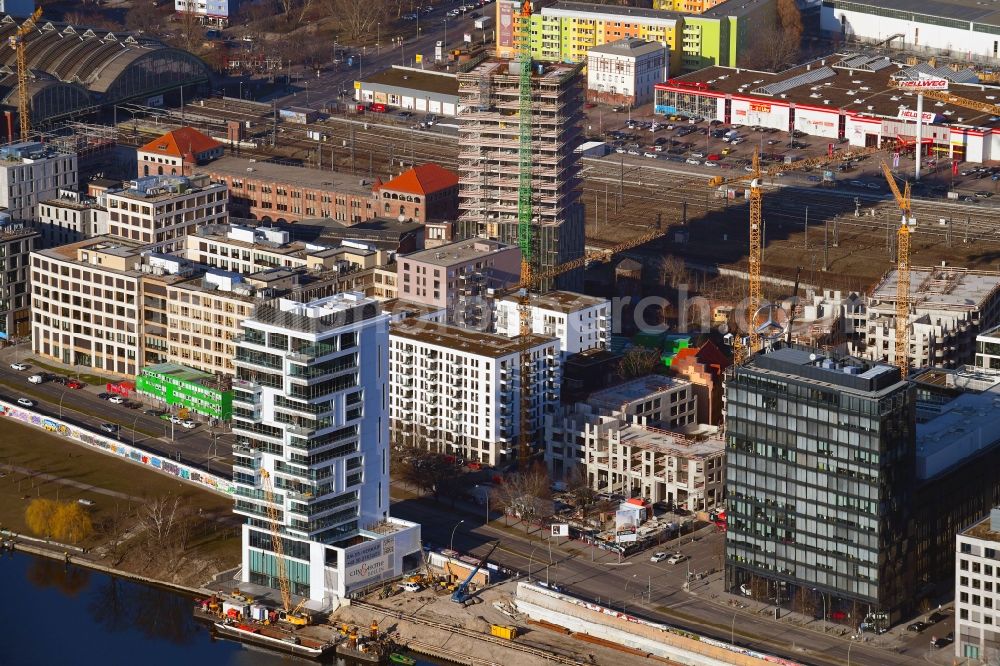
(197, 447)
(655, 590)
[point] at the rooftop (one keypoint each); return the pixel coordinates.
(386, 232)
(942, 288)
(178, 372)
(615, 397)
(631, 46)
(553, 73)
(571, 8)
(986, 529)
(962, 10)
(966, 426)
(460, 252)
(423, 179)
(664, 441)
(816, 368)
(852, 82)
(442, 83)
(319, 315)
(565, 302)
(160, 188)
(297, 177)
(185, 142)
(106, 244)
(456, 339)
(28, 151)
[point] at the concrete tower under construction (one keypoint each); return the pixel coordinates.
(489, 160)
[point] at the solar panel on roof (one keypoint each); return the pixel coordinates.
(875, 64)
(964, 76)
(854, 62)
(802, 79)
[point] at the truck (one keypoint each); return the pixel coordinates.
(483, 22)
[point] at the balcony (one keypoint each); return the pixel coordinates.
(310, 353)
(300, 430)
(246, 385)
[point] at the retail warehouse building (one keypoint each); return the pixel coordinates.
(844, 96)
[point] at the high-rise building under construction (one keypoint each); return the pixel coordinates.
(489, 160)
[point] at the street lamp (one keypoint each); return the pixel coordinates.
(61, 396)
(625, 594)
(487, 504)
(530, 556)
(823, 597)
(134, 422)
(732, 631)
(241, 88)
(378, 38)
(451, 544)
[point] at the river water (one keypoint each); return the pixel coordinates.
(54, 615)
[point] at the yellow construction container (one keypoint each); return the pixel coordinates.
(501, 631)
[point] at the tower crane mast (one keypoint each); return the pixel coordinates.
(23, 101)
(525, 238)
(902, 271)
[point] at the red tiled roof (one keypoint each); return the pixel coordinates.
(185, 142)
(424, 179)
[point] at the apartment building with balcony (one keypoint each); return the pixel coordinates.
(17, 242)
(246, 250)
(948, 309)
(459, 277)
(489, 161)
(85, 308)
(579, 322)
(159, 211)
(281, 193)
(215, 13)
(668, 403)
(311, 423)
(457, 391)
(31, 172)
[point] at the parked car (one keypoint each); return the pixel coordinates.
(693, 161)
(109, 427)
(104, 396)
(917, 627)
(658, 557)
(36, 379)
(24, 402)
(697, 153)
(411, 587)
(188, 424)
(116, 400)
(677, 558)
(151, 412)
(73, 384)
(650, 155)
(175, 419)
(18, 366)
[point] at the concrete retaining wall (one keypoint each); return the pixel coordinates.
(660, 640)
(111, 446)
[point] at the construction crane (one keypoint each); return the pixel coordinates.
(756, 229)
(525, 238)
(902, 271)
(951, 98)
(461, 594)
(23, 101)
(288, 613)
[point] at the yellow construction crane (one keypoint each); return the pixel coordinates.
(288, 614)
(755, 174)
(902, 271)
(23, 101)
(951, 98)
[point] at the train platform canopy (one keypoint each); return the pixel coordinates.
(76, 69)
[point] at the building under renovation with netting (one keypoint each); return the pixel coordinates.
(75, 70)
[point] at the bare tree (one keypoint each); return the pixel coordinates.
(638, 362)
(524, 495)
(576, 483)
(674, 271)
(358, 18)
(165, 527)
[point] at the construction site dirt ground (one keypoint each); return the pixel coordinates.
(440, 609)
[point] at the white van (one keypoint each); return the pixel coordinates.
(36, 379)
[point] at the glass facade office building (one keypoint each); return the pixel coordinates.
(820, 475)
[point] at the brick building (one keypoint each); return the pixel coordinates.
(176, 153)
(425, 192)
(704, 367)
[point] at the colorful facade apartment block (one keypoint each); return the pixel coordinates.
(698, 33)
(188, 388)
